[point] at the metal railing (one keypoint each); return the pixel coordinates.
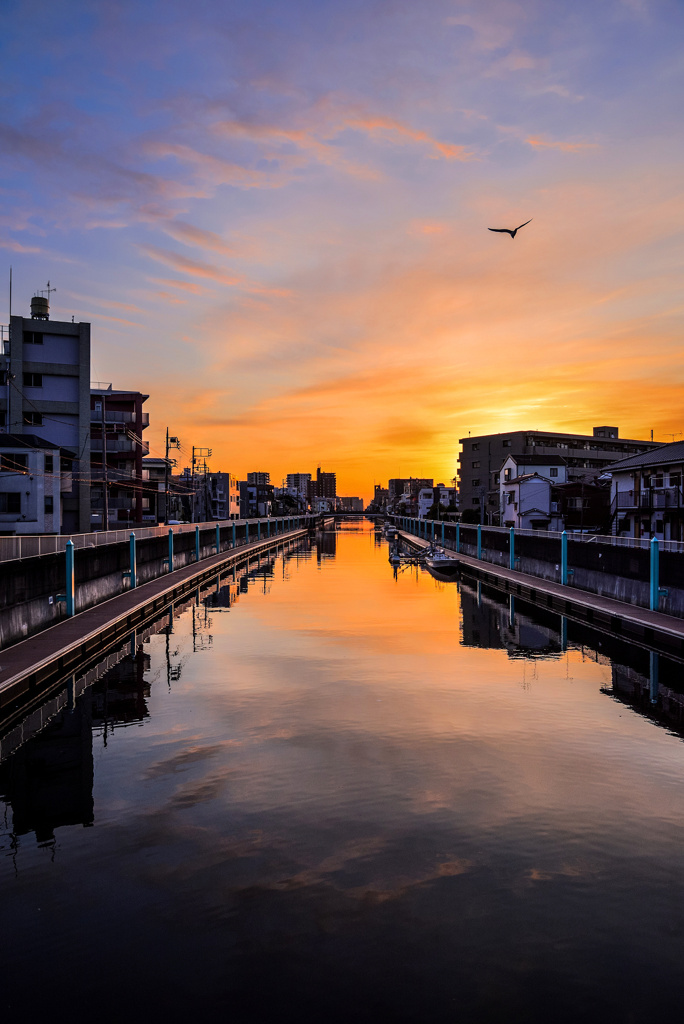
(32, 545)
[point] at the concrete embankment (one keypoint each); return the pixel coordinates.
(31, 666)
(30, 587)
(657, 630)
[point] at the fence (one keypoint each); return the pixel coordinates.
(32, 545)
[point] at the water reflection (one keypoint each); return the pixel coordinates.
(332, 799)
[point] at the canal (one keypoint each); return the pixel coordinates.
(323, 790)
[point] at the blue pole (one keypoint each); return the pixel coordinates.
(132, 560)
(564, 558)
(433, 531)
(655, 575)
(234, 537)
(268, 526)
(70, 602)
(170, 550)
(479, 540)
(197, 553)
(442, 534)
(511, 549)
(458, 538)
(246, 533)
(259, 530)
(218, 539)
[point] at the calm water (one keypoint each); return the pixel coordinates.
(327, 794)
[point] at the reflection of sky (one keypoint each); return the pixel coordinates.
(339, 780)
(280, 211)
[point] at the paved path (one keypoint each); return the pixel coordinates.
(28, 664)
(594, 608)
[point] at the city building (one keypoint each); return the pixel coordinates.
(381, 497)
(446, 497)
(259, 479)
(224, 496)
(116, 465)
(586, 457)
(646, 493)
(405, 500)
(156, 476)
(45, 393)
(349, 504)
(35, 475)
(298, 485)
(324, 486)
(256, 498)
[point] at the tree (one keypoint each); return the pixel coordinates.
(470, 515)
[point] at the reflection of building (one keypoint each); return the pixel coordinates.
(49, 781)
(120, 697)
(490, 621)
(326, 544)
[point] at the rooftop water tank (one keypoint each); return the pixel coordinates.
(40, 308)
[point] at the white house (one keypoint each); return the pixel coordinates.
(34, 476)
(525, 491)
(427, 496)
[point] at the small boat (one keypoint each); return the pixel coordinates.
(440, 564)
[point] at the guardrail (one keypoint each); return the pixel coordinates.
(33, 545)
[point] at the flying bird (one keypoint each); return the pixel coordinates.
(512, 232)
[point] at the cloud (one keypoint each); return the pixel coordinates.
(13, 246)
(207, 271)
(566, 147)
(191, 235)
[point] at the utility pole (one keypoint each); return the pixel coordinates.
(105, 514)
(171, 442)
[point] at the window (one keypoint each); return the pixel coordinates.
(13, 463)
(49, 462)
(98, 408)
(507, 474)
(33, 419)
(476, 447)
(65, 465)
(507, 443)
(49, 505)
(476, 501)
(3, 418)
(475, 465)
(33, 337)
(553, 471)
(33, 380)
(497, 478)
(10, 503)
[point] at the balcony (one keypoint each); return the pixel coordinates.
(111, 416)
(648, 498)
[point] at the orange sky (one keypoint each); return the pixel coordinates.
(284, 242)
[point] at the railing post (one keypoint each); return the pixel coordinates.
(170, 550)
(218, 539)
(564, 558)
(433, 531)
(258, 529)
(197, 544)
(442, 533)
(234, 536)
(458, 538)
(70, 601)
(268, 527)
(246, 533)
(133, 565)
(655, 575)
(511, 548)
(479, 540)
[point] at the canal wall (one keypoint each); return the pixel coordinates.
(30, 588)
(596, 566)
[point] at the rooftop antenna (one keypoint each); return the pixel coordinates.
(47, 291)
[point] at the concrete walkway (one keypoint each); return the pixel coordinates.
(617, 617)
(36, 661)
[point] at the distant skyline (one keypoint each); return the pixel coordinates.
(275, 215)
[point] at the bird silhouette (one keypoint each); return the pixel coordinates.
(512, 232)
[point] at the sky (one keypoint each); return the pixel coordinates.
(275, 214)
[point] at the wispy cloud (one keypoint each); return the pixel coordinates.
(565, 147)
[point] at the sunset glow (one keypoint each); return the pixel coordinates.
(275, 217)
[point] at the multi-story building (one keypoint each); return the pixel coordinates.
(116, 465)
(259, 479)
(647, 499)
(586, 457)
(224, 496)
(380, 496)
(298, 485)
(324, 486)
(256, 499)
(349, 504)
(45, 373)
(34, 476)
(440, 493)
